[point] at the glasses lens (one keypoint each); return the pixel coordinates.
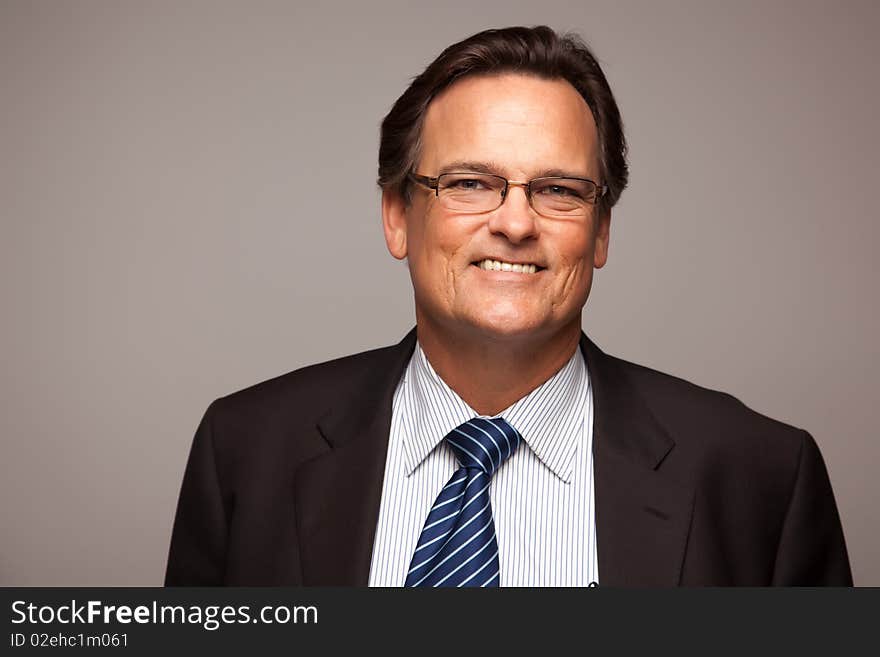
(563, 197)
(470, 192)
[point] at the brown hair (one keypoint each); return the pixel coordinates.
(535, 51)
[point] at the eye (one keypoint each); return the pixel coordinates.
(560, 190)
(563, 190)
(466, 184)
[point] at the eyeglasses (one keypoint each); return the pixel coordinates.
(475, 193)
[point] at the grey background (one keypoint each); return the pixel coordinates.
(159, 248)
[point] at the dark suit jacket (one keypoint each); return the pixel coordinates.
(284, 480)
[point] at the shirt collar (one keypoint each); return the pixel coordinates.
(550, 418)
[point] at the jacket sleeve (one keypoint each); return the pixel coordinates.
(198, 541)
(811, 550)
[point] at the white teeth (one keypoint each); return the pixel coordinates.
(497, 265)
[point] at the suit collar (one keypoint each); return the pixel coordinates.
(337, 493)
(621, 416)
(642, 514)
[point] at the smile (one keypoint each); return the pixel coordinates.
(500, 265)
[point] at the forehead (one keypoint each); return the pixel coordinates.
(521, 123)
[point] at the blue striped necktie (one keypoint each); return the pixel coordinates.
(457, 546)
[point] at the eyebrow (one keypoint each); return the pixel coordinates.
(493, 168)
(473, 166)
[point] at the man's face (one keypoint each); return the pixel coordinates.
(519, 127)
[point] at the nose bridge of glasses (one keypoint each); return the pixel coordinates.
(526, 187)
(527, 190)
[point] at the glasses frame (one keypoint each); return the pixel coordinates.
(434, 184)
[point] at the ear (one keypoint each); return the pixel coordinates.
(394, 222)
(603, 234)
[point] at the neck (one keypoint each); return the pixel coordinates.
(491, 374)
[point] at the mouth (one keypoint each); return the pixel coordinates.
(489, 264)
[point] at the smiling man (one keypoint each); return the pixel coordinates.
(496, 445)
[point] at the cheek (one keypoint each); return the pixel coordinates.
(443, 238)
(575, 265)
(576, 250)
(435, 259)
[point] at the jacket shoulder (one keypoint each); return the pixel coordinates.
(763, 507)
(311, 388)
(715, 418)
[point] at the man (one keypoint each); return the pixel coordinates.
(496, 444)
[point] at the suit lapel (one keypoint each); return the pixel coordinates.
(642, 514)
(337, 494)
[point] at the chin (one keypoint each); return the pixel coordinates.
(509, 326)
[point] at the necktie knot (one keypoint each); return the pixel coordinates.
(484, 443)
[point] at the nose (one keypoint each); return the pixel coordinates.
(515, 219)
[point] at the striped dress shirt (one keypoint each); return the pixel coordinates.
(542, 497)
